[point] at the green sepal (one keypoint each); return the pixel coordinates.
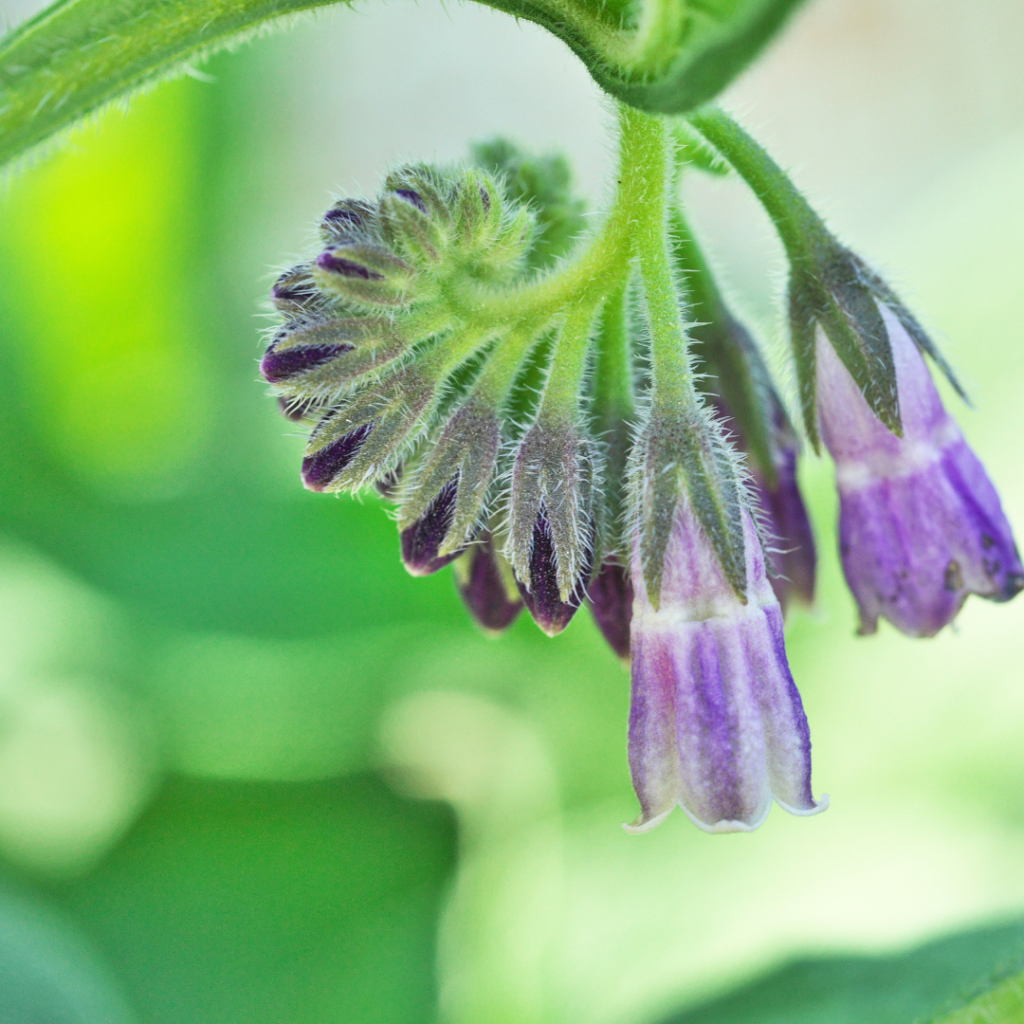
(430, 183)
(466, 448)
(612, 413)
(368, 275)
(684, 450)
(849, 315)
(544, 185)
(375, 344)
(397, 412)
(553, 474)
(910, 323)
(413, 234)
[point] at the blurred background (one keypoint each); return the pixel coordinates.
(252, 772)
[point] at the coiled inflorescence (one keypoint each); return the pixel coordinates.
(403, 343)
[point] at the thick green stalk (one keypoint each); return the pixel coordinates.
(560, 402)
(647, 159)
(799, 227)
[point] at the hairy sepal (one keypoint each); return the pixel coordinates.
(552, 479)
(386, 419)
(686, 450)
(466, 451)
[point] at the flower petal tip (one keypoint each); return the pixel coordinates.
(642, 824)
(819, 805)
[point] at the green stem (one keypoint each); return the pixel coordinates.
(560, 402)
(613, 376)
(800, 228)
(646, 157)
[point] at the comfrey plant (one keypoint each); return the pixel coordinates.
(588, 422)
(572, 418)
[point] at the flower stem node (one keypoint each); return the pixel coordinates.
(716, 722)
(921, 526)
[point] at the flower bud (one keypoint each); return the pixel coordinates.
(460, 464)
(610, 597)
(365, 273)
(317, 360)
(486, 585)
(793, 554)
(407, 227)
(921, 526)
(348, 219)
(716, 722)
(421, 540)
(551, 530)
(295, 293)
(552, 608)
(362, 439)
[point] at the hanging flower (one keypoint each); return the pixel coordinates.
(921, 526)
(716, 724)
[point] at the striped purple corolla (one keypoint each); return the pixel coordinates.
(716, 722)
(920, 524)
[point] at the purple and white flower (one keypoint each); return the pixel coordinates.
(716, 723)
(920, 524)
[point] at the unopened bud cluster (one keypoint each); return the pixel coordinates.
(589, 422)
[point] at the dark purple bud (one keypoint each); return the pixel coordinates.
(413, 197)
(484, 590)
(421, 541)
(294, 291)
(280, 365)
(793, 555)
(543, 598)
(611, 603)
(387, 485)
(346, 268)
(485, 199)
(319, 469)
(345, 219)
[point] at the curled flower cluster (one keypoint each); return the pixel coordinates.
(573, 422)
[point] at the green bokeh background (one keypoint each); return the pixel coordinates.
(251, 771)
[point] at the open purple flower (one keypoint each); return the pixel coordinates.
(920, 524)
(716, 722)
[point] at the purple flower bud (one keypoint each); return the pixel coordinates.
(421, 540)
(543, 598)
(793, 555)
(485, 589)
(345, 219)
(920, 524)
(611, 603)
(716, 722)
(346, 268)
(279, 365)
(319, 469)
(413, 197)
(295, 293)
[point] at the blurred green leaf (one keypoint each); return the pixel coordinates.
(667, 56)
(926, 984)
(48, 974)
(266, 903)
